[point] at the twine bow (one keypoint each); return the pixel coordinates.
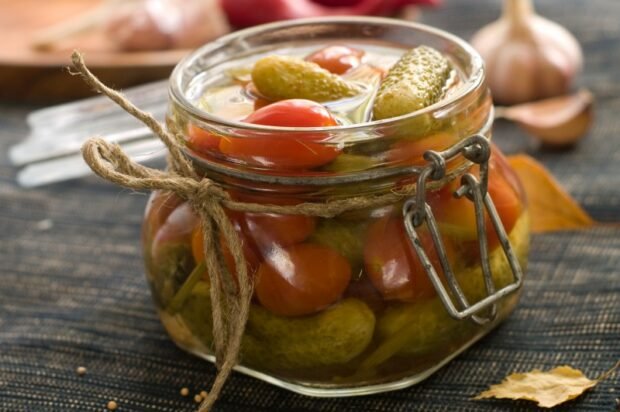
(230, 303)
(230, 300)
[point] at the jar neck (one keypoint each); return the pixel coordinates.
(395, 157)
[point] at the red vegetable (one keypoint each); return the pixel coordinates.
(456, 216)
(337, 59)
(392, 264)
(301, 279)
(251, 256)
(285, 152)
(243, 13)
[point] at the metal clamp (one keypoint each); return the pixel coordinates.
(416, 212)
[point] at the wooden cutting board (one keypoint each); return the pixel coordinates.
(29, 75)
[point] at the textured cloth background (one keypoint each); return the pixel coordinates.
(72, 290)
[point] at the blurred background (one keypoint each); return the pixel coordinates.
(135, 41)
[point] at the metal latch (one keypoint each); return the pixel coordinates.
(416, 212)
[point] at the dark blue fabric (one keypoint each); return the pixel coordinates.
(72, 290)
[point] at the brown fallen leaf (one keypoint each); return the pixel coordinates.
(551, 208)
(548, 389)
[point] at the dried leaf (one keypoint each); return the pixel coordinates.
(551, 208)
(548, 389)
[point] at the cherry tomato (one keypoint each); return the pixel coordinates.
(171, 247)
(293, 113)
(250, 255)
(456, 217)
(177, 228)
(267, 230)
(411, 152)
(291, 152)
(393, 265)
(507, 193)
(337, 59)
(500, 164)
(159, 207)
(301, 279)
(201, 140)
(270, 229)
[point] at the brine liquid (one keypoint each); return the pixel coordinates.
(223, 91)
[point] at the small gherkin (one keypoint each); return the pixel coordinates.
(283, 77)
(333, 336)
(417, 80)
(346, 237)
(330, 337)
(196, 313)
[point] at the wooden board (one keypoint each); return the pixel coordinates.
(31, 75)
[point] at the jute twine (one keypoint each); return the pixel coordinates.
(230, 300)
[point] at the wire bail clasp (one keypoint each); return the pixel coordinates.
(416, 212)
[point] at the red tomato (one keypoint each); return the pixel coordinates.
(457, 218)
(301, 279)
(177, 230)
(500, 164)
(295, 151)
(169, 255)
(293, 113)
(508, 202)
(159, 207)
(269, 229)
(202, 140)
(248, 252)
(393, 265)
(411, 152)
(179, 224)
(337, 59)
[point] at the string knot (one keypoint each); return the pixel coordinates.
(206, 193)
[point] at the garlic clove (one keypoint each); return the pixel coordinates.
(559, 121)
(527, 56)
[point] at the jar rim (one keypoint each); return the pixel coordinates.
(470, 84)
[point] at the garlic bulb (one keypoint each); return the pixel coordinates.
(165, 24)
(527, 56)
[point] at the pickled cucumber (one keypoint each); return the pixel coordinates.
(196, 313)
(332, 337)
(416, 81)
(347, 238)
(414, 329)
(348, 163)
(168, 269)
(282, 77)
(178, 330)
(472, 280)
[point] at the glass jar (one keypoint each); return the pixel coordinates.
(381, 295)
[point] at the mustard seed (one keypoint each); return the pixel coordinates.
(81, 370)
(184, 391)
(112, 406)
